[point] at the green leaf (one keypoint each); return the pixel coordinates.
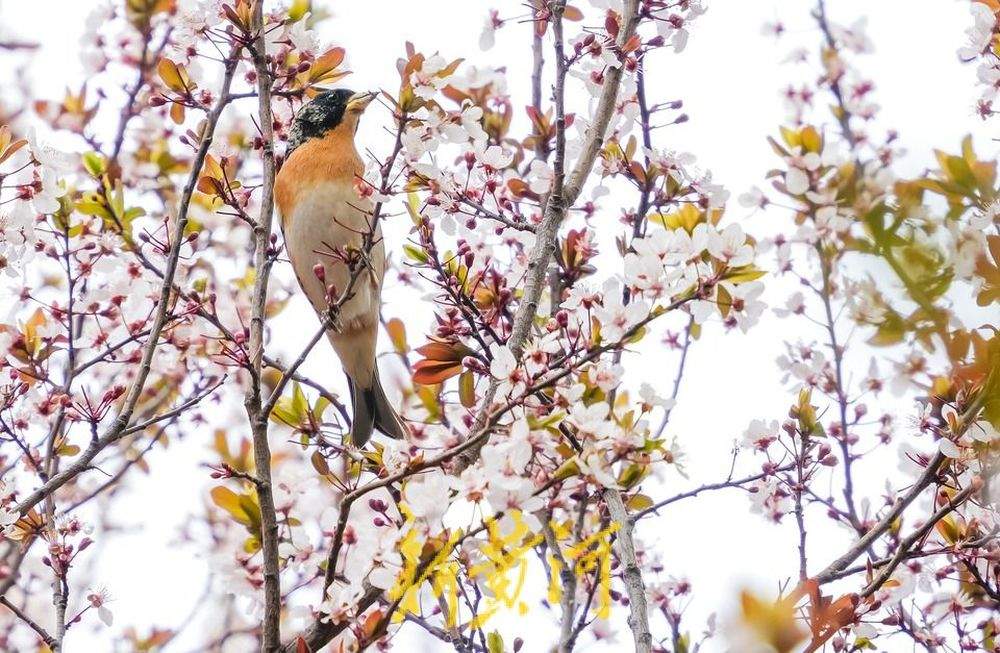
(494, 642)
(639, 502)
(744, 274)
(415, 253)
(241, 507)
(632, 475)
(292, 411)
(467, 389)
(298, 9)
(95, 164)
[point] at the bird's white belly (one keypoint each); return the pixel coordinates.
(327, 221)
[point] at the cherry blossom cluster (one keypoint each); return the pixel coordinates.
(858, 223)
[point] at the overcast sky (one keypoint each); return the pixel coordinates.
(729, 78)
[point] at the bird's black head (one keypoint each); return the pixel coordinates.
(325, 112)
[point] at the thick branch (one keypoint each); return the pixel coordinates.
(567, 579)
(563, 195)
(271, 623)
(321, 632)
(638, 621)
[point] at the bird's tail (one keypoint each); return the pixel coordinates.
(372, 410)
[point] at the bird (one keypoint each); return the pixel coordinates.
(322, 213)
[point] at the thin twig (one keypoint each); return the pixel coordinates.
(49, 640)
(910, 540)
(722, 485)
(838, 565)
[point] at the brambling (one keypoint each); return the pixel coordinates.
(322, 217)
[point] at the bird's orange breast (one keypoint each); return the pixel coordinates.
(318, 160)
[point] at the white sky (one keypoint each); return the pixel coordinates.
(729, 78)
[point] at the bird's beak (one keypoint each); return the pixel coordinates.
(360, 101)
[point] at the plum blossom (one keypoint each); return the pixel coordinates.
(595, 465)
(504, 368)
(760, 434)
(983, 431)
(617, 317)
(980, 33)
(493, 157)
(537, 352)
(730, 246)
(715, 195)
(590, 420)
(581, 295)
(769, 498)
(753, 199)
(540, 176)
(17, 232)
(395, 456)
(745, 309)
(650, 397)
(655, 244)
(487, 37)
(471, 121)
(795, 304)
(428, 495)
(686, 247)
(341, 602)
(8, 518)
(980, 220)
(98, 600)
(427, 81)
(674, 164)
(605, 374)
(855, 37)
(647, 275)
(701, 310)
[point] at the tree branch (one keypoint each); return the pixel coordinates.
(118, 428)
(271, 621)
(562, 197)
(838, 565)
(917, 535)
(49, 640)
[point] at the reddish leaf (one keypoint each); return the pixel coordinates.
(611, 24)
(442, 360)
(632, 44)
(519, 188)
(427, 372)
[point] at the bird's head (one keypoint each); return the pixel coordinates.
(329, 111)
